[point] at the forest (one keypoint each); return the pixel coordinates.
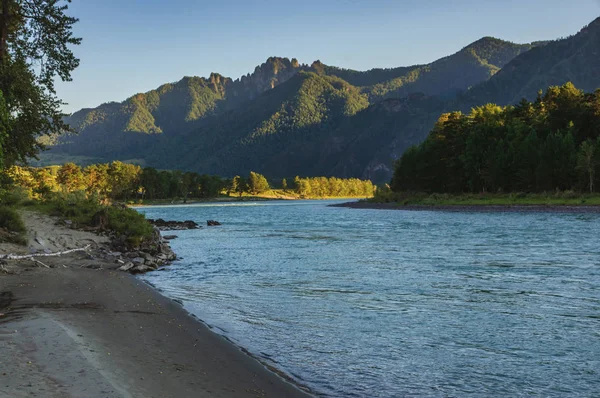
(552, 143)
(118, 181)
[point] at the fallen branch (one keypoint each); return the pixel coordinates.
(21, 257)
(39, 262)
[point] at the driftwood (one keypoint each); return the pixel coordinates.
(31, 256)
(39, 262)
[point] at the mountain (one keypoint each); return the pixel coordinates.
(446, 77)
(288, 119)
(575, 59)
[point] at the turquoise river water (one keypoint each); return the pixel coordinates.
(388, 303)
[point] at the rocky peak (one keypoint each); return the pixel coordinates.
(274, 71)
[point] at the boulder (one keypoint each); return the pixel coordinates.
(170, 237)
(138, 260)
(146, 256)
(138, 269)
(127, 267)
(212, 223)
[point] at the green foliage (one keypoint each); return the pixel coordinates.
(4, 128)
(13, 196)
(321, 187)
(35, 52)
(88, 211)
(114, 181)
(11, 221)
(537, 146)
(128, 222)
(257, 183)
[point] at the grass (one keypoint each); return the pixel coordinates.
(559, 198)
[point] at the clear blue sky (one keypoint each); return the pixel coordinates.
(132, 46)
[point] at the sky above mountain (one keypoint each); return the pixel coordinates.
(132, 46)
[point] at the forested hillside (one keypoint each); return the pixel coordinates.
(288, 118)
(546, 145)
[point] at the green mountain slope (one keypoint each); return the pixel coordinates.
(446, 77)
(575, 59)
(279, 131)
(289, 119)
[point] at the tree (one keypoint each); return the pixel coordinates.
(586, 161)
(241, 185)
(284, 184)
(234, 186)
(70, 177)
(123, 179)
(96, 177)
(35, 36)
(257, 183)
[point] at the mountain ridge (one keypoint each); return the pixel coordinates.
(288, 118)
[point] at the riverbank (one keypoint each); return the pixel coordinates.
(75, 326)
(471, 208)
(271, 195)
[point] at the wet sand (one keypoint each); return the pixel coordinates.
(77, 332)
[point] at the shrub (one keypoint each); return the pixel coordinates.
(13, 197)
(12, 222)
(128, 222)
(121, 220)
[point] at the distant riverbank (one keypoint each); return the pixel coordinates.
(244, 198)
(472, 207)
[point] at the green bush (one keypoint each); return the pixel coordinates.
(12, 222)
(90, 212)
(128, 222)
(13, 196)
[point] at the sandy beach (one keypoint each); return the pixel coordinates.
(82, 329)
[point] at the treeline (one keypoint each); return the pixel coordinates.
(115, 181)
(123, 181)
(550, 144)
(333, 187)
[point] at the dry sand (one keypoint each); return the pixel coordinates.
(92, 331)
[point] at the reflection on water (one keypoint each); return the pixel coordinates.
(375, 303)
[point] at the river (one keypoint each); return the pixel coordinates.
(388, 303)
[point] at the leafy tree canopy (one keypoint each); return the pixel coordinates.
(35, 40)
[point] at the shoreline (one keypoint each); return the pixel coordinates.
(76, 326)
(269, 367)
(121, 336)
(518, 208)
(236, 200)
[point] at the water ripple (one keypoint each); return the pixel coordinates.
(361, 303)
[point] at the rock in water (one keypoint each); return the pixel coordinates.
(173, 225)
(212, 223)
